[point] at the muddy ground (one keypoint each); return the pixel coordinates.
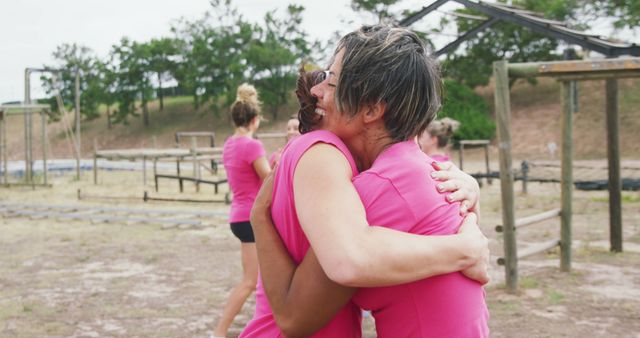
(77, 279)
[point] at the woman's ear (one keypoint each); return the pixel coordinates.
(374, 112)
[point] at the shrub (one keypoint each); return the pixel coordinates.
(463, 104)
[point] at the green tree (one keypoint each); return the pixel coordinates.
(274, 55)
(626, 14)
(69, 59)
(213, 61)
(132, 80)
(504, 40)
(380, 8)
(162, 61)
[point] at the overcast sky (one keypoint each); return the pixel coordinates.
(30, 30)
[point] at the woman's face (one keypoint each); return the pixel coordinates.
(332, 120)
(428, 143)
(292, 128)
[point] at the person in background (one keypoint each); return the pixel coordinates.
(246, 165)
(292, 131)
(435, 139)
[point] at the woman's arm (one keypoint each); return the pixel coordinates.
(355, 254)
(303, 299)
(261, 166)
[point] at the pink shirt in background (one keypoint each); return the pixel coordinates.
(399, 193)
(238, 156)
(347, 322)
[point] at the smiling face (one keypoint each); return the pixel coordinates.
(332, 119)
(292, 128)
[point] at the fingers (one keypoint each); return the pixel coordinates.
(442, 165)
(471, 218)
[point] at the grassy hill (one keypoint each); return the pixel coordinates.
(535, 123)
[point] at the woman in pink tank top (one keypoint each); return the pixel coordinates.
(314, 205)
(246, 166)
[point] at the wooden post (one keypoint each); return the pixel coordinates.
(566, 181)
(613, 155)
(95, 161)
(144, 170)
(44, 147)
(3, 146)
(195, 161)
(27, 126)
(460, 153)
(486, 161)
(503, 116)
(30, 149)
(524, 168)
(78, 117)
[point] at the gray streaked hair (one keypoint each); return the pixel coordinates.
(388, 65)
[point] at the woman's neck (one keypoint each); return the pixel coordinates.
(368, 146)
(243, 131)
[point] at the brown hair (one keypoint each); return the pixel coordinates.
(307, 115)
(246, 107)
(443, 129)
(383, 64)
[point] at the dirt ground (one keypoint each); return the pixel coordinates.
(77, 279)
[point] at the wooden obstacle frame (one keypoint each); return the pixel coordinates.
(475, 144)
(194, 136)
(567, 72)
(27, 110)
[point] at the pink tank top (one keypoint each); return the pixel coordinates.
(347, 322)
(398, 192)
(238, 156)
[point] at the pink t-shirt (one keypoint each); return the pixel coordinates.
(238, 156)
(347, 322)
(399, 193)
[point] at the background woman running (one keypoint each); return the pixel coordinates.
(246, 166)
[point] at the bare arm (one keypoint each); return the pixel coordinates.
(261, 166)
(303, 299)
(355, 254)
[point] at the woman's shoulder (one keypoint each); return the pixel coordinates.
(299, 146)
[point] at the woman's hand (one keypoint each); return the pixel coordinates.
(480, 244)
(261, 209)
(462, 186)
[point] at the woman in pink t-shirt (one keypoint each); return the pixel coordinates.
(314, 203)
(434, 140)
(246, 166)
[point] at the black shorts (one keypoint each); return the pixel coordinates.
(243, 231)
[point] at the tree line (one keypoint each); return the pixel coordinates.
(207, 58)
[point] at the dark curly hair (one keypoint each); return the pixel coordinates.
(307, 115)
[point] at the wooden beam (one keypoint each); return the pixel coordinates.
(533, 249)
(533, 219)
(575, 68)
(503, 117)
(613, 155)
(566, 181)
